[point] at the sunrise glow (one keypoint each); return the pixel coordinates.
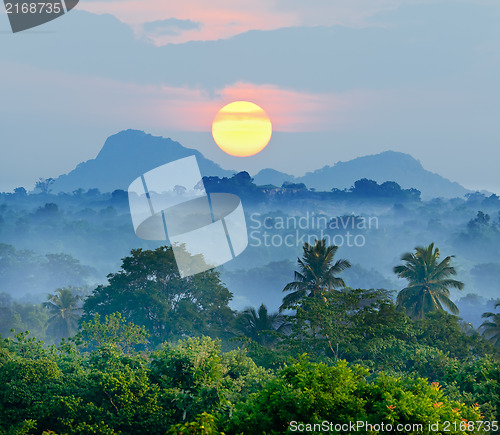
(242, 129)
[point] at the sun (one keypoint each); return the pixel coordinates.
(242, 129)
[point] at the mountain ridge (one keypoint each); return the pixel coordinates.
(130, 153)
(385, 166)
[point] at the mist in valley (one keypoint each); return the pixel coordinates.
(50, 241)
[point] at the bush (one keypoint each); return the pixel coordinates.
(311, 393)
(196, 377)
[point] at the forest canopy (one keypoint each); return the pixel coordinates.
(150, 352)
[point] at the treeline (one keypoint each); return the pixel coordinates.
(242, 184)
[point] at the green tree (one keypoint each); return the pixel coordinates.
(197, 377)
(115, 330)
(324, 327)
(64, 313)
(149, 291)
(382, 337)
(491, 327)
(446, 332)
(309, 393)
(474, 382)
(262, 326)
(316, 275)
(27, 387)
(428, 282)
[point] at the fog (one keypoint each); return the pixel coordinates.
(49, 241)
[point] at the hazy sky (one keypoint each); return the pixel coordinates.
(338, 78)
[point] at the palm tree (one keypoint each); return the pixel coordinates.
(491, 329)
(316, 275)
(259, 325)
(64, 312)
(428, 282)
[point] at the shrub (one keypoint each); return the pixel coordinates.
(311, 393)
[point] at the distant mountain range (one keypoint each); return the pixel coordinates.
(387, 166)
(128, 154)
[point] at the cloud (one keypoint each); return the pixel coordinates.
(102, 101)
(224, 19)
(170, 27)
(417, 83)
(320, 59)
(227, 18)
(220, 18)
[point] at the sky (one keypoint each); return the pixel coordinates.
(338, 78)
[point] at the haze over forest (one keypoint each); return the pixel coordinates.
(81, 222)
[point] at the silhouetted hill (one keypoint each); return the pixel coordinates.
(127, 155)
(387, 166)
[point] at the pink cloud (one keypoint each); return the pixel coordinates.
(220, 18)
(289, 111)
(226, 18)
(101, 101)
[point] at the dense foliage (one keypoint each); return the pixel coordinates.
(152, 353)
(91, 386)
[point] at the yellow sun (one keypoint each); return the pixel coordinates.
(242, 129)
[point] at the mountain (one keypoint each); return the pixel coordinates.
(387, 166)
(127, 155)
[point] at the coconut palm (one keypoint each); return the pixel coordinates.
(64, 312)
(428, 282)
(316, 275)
(491, 328)
(259, 325)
